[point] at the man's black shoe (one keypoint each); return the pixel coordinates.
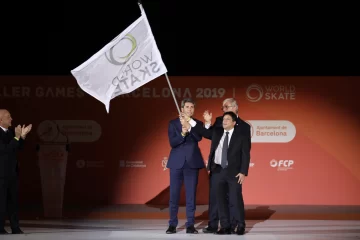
(171, 230)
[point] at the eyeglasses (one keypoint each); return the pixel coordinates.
(225, 107)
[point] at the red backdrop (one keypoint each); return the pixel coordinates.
(305, 137)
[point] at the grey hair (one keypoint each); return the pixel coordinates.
(186, 100)
(232, 102)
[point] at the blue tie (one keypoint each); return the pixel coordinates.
(224, 151)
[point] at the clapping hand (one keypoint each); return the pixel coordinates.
(25, 130)
(18, 131)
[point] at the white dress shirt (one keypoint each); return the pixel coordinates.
(218, 151)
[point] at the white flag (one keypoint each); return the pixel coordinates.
(129, 61)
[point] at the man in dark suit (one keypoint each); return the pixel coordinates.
(228, 162)
(230, 105)
(10, 142)
(184, 163)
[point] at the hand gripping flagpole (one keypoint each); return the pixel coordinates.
(167, 78)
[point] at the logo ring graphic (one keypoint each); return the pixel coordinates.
(120, 60)
(256, 87)
(273, 163)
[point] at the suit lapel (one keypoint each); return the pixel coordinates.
(2, 134)
(239, 121)
(218, 136)
(10, 134)
(232, 139)
(6, 136)
(178, 125)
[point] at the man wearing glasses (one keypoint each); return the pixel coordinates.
(229, 105)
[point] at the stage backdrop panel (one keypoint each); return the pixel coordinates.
(305, 139)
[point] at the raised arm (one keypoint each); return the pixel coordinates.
(195, 134)
(206, 133)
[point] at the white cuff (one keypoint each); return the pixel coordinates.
(192, 122)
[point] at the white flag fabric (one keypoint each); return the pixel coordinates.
(129, 61)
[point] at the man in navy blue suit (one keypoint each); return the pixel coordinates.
(184, 162)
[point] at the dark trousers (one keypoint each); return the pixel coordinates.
(190, 178)
(9, 192)
(228, 191)
(213, 205)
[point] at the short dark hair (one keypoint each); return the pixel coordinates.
(231, 114)
(185, 100)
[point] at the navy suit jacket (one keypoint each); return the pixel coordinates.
(184, 148)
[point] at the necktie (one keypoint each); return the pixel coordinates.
(224, 151)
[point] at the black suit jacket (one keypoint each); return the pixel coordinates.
(238, 151)
(9, 148)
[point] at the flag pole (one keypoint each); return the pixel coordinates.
(167, 78)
